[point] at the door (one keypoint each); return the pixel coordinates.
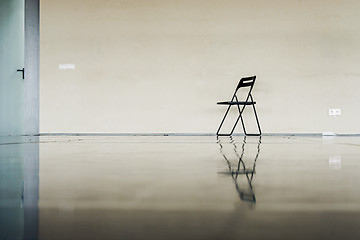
(11, 60)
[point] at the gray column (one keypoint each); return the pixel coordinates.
(32, 63)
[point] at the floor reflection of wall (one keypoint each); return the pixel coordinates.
(31, 189)
(19, 188)
(170, 188)
(11, 187)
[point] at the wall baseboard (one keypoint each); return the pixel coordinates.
(184, 134)
(189, 134)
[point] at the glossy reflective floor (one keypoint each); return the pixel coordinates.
(97, 187)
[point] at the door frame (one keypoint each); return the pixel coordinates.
(32, 67)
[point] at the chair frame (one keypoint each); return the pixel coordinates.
(244, 82)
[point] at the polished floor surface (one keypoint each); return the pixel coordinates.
(166, 187)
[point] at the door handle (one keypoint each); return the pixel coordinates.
(23, 72)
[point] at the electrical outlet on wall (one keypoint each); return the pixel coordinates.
(334, 112)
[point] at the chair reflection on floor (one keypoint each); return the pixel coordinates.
(245, 194)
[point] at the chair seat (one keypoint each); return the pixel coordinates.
(236, 103)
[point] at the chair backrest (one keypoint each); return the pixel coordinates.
(245, 82)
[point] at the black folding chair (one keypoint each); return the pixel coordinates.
(246, 82)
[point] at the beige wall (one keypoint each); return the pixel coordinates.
(160, 65)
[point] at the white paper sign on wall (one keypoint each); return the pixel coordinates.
(66, 66)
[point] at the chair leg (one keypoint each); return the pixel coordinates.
(256, 117)
(257, 120)
(242, 122)
(222, 122)
(243, 125)
(237, 120)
